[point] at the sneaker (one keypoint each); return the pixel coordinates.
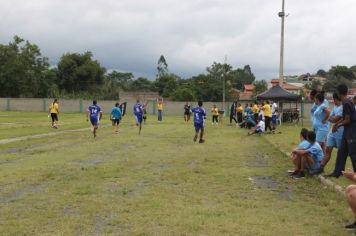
(333, 175)
(300, 175)
(195, 138)
(201, 141)
(294, 173)
(317, 171)
(351, 226)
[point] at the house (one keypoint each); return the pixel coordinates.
(245, 95)
(307, 79)
(295, 88)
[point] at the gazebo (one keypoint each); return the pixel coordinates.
(280, 95)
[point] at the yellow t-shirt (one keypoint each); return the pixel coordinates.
(267, 110)
(240, 109)
(255, 109)
(214, 111)
(160, 106)
(54, 108)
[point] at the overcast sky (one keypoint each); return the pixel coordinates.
(130, 35)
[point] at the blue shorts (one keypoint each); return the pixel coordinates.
(274, 119)
(333, 141)
(139, 118)
(198, 126)
(315, 166)
(94, 120)
(321, 136)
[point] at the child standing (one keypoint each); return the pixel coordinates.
(215, 115)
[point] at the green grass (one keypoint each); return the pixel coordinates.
(157, 183)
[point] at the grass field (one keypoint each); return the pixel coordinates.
(156, 183)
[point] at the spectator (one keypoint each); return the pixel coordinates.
(233, 112)
(274, 115)
(320, 120)
(303, 145)
(240, 111)
(268, 116)
(350, 193)
(348, 141)
(160, 109)
(309, 158)
(334, 138)
(260, 128)
(215, 115)
(255, 111)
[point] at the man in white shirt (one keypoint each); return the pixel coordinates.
(274, 115)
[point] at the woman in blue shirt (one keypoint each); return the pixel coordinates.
(320, 120)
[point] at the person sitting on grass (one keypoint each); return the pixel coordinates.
(309, 158)
(260, 128)
(303, 145)
(350, 193)
(248, 122)
(199, 117)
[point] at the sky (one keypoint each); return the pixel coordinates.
(130, 35)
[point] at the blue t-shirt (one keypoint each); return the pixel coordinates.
(94, 111)
(199, 114)
(314, 107)
(316, 152)
(319, 115)
(138, 109)
(248, 110)
(116, 113)
(304, 145)
(251, 120)
(337, 111)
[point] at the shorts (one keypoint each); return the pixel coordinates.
(258, 131)
(187, 113)
(115, 121)
(274, 119)
(313, 167)
(94, 121)
(333, 141)
(321, 136)
(54, 117)
(139, 119)
(198, 126)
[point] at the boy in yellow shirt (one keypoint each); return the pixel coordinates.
(267, 112)
(215, 114)
(54, 112)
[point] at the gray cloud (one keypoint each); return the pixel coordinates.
(131, 35)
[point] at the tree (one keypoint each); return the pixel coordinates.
(79, 72)
(342, 72)
(122, 79)
(162, 67)
(321, 73)
(166, 84)
(260, 86)
(332, 83)
(183, 93)
(240, 77)
(23, 70)
(142, 84)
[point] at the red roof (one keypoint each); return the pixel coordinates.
(287, 86)
(249, 87)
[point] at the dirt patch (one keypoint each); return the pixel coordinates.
(11, 150)
(259, 160)
(265, 182)
(22, 193)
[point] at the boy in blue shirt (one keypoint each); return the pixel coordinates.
(309, 158)
(115, 116)
(199, 117)
(138, 112)
(303, 145)
(94, 113)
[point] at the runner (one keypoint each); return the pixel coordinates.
(95, 114)
(138, 112)
(54, 112)
(115, 116)
(199, 117)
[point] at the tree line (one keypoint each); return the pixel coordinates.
(24, 72)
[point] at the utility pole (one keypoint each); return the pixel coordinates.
(282, 15)
(223, 79)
